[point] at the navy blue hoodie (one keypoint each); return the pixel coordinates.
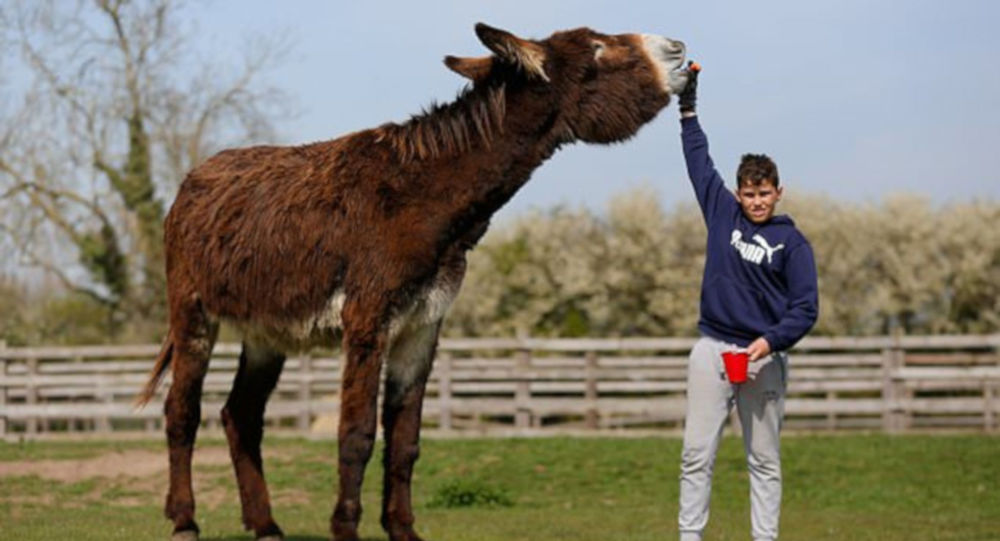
(760, 279)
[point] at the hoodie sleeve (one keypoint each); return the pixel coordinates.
(803, 300)
(709, 188)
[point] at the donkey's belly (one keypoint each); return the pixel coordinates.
(322, 329)
(325, 328)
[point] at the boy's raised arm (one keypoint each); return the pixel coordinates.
(709, 188)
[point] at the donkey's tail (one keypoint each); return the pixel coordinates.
(162, 362)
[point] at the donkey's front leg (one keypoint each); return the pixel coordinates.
(364, 347)
(409, 365)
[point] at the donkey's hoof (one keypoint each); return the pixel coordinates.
(345, 531)
(186, 535)
(402, 533)
(411, 536)
(271, 538)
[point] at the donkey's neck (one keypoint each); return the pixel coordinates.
(500, 171)
(480, 182)
(474, 154)
(472, 121)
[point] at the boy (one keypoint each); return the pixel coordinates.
(759, 293)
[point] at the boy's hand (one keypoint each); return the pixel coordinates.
(689, 96)
(758, 349)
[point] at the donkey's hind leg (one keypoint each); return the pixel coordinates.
(409, 365)
(243, 417)
(193, 337)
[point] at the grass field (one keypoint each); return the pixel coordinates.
(836, 488)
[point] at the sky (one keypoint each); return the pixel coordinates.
(854, 99)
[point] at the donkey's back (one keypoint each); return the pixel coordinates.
(263, 235)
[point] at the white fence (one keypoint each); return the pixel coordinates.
(505, 386)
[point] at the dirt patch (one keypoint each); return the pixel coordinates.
(137, 478)
(291, 497)
(16, 501)
(133, 464)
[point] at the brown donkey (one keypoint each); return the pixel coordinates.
(362, 240)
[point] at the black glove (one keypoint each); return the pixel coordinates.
(687, 98)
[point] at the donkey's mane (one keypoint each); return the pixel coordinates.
(449, 129)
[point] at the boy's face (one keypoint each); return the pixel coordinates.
(758, 201)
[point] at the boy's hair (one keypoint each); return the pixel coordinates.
(756, 168)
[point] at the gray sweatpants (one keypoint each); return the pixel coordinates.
(760, 403)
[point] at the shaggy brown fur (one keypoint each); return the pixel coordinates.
(362, 240)
(445, 130)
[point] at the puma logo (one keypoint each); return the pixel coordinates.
(767, 247)
(754, 253)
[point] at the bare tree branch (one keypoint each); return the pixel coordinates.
(31, 258)
(116, 112)
(54, 195)
(35, 194)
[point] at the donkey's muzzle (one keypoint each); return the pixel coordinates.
(668, 56)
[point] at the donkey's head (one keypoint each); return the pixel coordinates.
(582, 85)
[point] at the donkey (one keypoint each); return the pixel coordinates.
(362, 240)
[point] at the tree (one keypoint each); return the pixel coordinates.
(903, 265)
(847, 242)
(102, 135)
(650, 275)
(910, 264)
(634, 272)
(534, 276)
(972, 250)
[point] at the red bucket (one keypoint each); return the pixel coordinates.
(736, 365)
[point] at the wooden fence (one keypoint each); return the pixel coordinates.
(533, 386)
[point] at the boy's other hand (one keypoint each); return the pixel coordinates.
(758, 349)
(688, 97)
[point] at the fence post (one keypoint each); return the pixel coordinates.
(831, 416)
(894, 418)
(76, 425)
(3, 390)
(444, 389)
(31, 395)
(590, 390)
(522, 394)
(104, 396)
(989, 405)
(888, 391)
(305, 391)
(991, 392)
(904, 413)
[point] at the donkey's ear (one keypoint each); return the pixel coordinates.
(474, 69)
(527, 55)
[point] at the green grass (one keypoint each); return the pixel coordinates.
(836, 488)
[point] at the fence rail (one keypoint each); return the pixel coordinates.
(504, 386)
